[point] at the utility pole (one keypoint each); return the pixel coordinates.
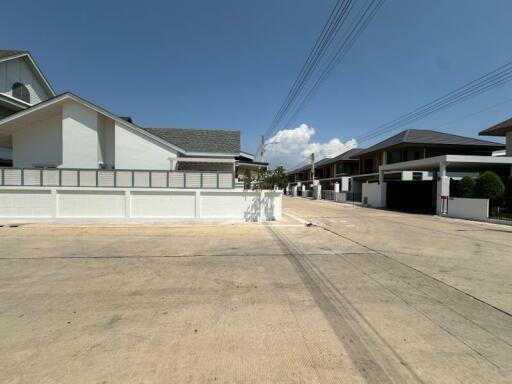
(262, 148)
(313, 166)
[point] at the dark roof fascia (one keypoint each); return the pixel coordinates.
(499, 129)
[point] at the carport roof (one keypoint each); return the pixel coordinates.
(429, 137)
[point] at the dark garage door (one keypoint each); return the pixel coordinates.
(411, 196)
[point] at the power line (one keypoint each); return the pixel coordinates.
(358, 27)
(490, 80)
(336, 19)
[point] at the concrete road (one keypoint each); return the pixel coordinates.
(361, 296)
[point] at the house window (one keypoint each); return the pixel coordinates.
(19, 91)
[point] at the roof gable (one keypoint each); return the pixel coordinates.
(7, 55)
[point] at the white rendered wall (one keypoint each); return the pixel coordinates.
(472, 209)
(134, 151)
(163, 204)
(79, 136)
(375, 194)
(90, 204)
(26, 203)
(106, 141)
(18, 71)
(340, 197)
(127, 203)
(39, 143)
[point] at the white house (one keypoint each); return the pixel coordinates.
(42, 130)
(64, 157)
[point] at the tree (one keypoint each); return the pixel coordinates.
(269, 179)
(507, 196)
(489, 186)
(467, 187)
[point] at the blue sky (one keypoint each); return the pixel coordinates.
(229, 63)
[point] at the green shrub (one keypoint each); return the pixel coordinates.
(467, 187)
(489, 186)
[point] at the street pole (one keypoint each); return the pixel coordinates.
(313, 166)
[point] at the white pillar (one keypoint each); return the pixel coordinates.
(443, 190)
(336, 187)
(294, 191)
(508, 144)
(198, 205)
(55, 203)
(317, 192)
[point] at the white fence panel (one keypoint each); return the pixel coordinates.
(25, 203)
(84, 204)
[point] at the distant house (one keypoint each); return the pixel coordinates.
(41, 130)
(416, 144)
(503, 129)
(345, 164)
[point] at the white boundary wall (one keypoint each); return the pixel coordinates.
(45, 203)
(472, 209)
(374, 194)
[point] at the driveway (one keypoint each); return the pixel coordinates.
(359, 296)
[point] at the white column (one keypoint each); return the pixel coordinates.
(336, 187)
(55, 203)
(198, 205)
(508, 144)
(317, 192)
(443, 190)
(127, 204)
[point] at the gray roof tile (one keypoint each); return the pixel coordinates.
(200, 140)
(426, 136)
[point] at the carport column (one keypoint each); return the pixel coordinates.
(443, 190)
(294, 190)
(303, 189)
(336, 187)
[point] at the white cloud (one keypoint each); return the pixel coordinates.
(289, 147)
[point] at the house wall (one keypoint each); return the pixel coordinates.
(79, 136)
(106, 141)
(38, 144)
(134, 151)
(17, 70)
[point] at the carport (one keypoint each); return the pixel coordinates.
(439, 166)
